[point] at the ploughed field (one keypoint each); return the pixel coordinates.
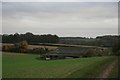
(17, 65)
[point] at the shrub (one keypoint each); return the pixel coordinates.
(23, 45)
(39, 51)
(89, 53)
(6, 47)
(18, 47)
(116, 48)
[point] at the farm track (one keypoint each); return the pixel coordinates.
(108, 70)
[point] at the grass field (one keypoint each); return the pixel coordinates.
(27, 66)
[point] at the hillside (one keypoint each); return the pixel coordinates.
(27, 66)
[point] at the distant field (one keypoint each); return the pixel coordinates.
(27, 66)
(52, 45)
(33, 46)
(40, 46)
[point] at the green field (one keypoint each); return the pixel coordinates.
(27, 66)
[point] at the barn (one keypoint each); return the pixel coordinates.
(74, 52)
(65, 52)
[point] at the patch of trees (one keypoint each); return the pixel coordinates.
(77, 41)
(97, 52)
(116, 47)
(22, 47)
(0, 38)
(17, 47)
(106, 41)
(103, 41)
(30, 38)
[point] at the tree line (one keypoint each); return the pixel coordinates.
(103, 41)
(30, 38)
(21, 40)
(107, 41)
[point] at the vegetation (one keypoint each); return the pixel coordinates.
(30, 38)
(68, 50)
(22, 47)
(78, 41)
(27, 66)
(106, 41)
(116, 48)
(17, 65)
(115, 71)
(18, 47)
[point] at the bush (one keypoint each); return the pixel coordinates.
(6, 47)
(89, 53)
(23, 45)
(38, 51)
(18, 47)
(116, 48)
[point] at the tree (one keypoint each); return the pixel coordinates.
(43, 51)
(116, 48)
(30, 38)
(20, 47)
(89, 53)
(23, 45)
(40, 51)
(6, 47)
(16, 37)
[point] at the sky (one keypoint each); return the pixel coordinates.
(59, 0)
(88, 19)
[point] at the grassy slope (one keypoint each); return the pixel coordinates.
(24, 66)
(93, 71)
(114, 72)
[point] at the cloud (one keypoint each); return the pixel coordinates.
(61, 0)
(63, 18)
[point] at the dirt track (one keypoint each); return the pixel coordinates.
(108, 70)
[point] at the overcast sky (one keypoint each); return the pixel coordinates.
(89, 19)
